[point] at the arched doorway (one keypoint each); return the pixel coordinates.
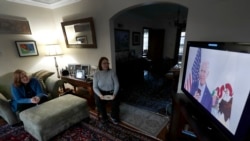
(169, 18)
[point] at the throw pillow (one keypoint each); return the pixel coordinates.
(42, 75)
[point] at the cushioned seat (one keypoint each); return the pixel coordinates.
(50, 86)
(50, 118)
(6, 112)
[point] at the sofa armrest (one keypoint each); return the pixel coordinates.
(52, 86)
(6, 112)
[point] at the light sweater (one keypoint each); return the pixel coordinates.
(105, 80)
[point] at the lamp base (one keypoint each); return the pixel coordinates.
(57, 71)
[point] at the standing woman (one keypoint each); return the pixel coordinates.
(26, 92)
(105, 82)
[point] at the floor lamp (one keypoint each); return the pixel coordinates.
(54, 50)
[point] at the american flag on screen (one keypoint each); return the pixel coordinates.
(194, 75)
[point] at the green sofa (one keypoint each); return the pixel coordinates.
(50, 85)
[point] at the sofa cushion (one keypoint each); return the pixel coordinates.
(42, 75)
(6, 111)
(3, 98)
(6, 81)
(46, 120)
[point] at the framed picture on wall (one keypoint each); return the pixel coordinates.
(82, 39)
(136, 38)
(17, 25)
(26, 48)
(121, 39)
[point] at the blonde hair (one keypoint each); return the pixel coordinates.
(17, 77)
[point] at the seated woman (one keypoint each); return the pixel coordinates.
(26, 92)
(105, 82)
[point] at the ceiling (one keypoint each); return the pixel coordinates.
(152, 11)
(161, 11)
(168, 11)
(50, 4)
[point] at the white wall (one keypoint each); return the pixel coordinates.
(42, 28)
(135, 23)
(217, 20)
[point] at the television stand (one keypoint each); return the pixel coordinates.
(188, 123)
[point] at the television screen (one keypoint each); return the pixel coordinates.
(216, 78)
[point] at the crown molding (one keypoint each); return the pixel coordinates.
(50, 4)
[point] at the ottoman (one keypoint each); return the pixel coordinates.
(46, 120)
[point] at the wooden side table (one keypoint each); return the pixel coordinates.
(84, 84)
(173, 76)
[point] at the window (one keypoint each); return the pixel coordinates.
(182, 40)
(145, 41)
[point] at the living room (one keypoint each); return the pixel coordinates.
(203, 23)
(207, 20)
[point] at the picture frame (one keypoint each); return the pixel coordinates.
(71, 69)
(80, 74)
(136, 38)
(121, 39)
(14, 25)
(26, 48)
(86, 68)
(82, 39)
(78, 68)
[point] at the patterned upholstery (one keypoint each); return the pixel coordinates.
(42, 75)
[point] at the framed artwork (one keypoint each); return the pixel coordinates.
(71, 69)
(85, 67)
(82, 39)
(136, 38)
(121, 39)
(26, 48)
(10, 25)
(78, 67)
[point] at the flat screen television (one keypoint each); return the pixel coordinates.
(216, 79)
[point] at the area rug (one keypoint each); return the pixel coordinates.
(149, 122)
(93, 130)
(153, 95)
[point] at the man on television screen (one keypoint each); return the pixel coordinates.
(199, 88)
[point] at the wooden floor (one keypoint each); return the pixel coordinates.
(161, 136)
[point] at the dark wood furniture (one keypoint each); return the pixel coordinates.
(176, 73)
(129, 72)
(189, 124)
(88, 85)
(173, 76)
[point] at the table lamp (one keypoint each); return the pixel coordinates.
(54, 50)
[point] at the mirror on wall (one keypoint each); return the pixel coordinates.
(79, 33)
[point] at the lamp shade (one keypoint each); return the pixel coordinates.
(53, 50)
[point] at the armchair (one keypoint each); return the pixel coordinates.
(51, 84)
(6, 112)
